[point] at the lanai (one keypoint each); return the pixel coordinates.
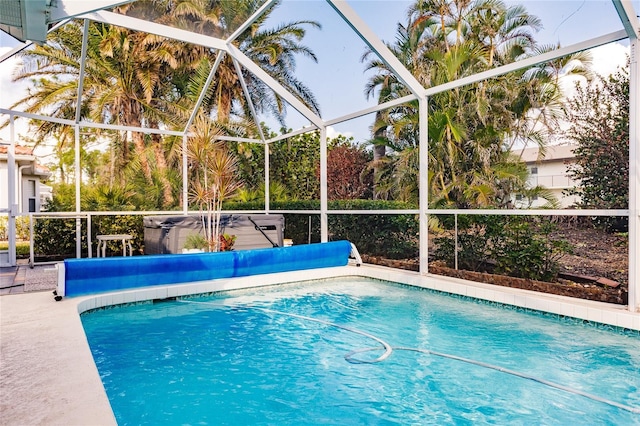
(39, 17)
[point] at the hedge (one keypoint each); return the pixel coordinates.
(394, 236)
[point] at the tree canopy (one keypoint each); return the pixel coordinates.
(143, 80)
(599, 118)
(138, 79)
(471, 128)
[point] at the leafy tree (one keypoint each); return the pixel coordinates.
(470, 127)
(293, 165)
(347, 176)
(214, 176)
(142, 80)
(250, 158)
(599, 118)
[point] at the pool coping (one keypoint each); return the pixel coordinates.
(47, 373)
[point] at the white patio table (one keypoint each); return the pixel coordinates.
(104, 239)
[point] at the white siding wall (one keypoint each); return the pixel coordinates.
(551, 172)
(29, 184)
(553, 175)
(4, 185)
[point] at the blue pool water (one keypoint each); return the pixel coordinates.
(297, 354)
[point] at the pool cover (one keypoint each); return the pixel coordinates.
(97, 275)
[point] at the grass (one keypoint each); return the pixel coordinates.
(22, 247)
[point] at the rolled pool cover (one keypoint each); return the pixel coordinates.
(98, 275)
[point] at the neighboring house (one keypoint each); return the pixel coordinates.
(551, 172)
(31, 192)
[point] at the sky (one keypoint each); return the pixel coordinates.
(339, 78)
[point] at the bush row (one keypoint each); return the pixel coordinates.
(56, 238)
(390, 235)
(518, 246)
(394, 236)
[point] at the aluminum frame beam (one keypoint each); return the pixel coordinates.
(634, 177)
(153, 28)
(375, 108)
(247, 96)
(258, 13)
(274, 85)
(632, 27)
(204, 90)
(23, 46)
(83, 59)
(63, 9)
(12, 205)
(375, 44)
(628, 17)
(90, 124)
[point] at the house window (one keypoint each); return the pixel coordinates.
(534, 170)
(518, 197)
(31, 194)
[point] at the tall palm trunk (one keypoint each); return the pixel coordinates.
(140, 148)
(379, 153)
(132, 118)
(161, 165)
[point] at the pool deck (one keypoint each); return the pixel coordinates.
(47, 373)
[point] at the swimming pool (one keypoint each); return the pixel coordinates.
(299, 354)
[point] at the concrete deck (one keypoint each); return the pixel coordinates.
(47, 373)
(23, 279)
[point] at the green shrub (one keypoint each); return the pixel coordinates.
(195, 241)
(22, 227)
(476, 234)
(518, 246)
(56, 237)
(120, 224)
(528, 251)
(389, 235)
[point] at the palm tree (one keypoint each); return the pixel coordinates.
(445, 40)
(121, 85)
(214, 175)
(274, 50)
(139, 80)
(504, 31)
(384, 84)
(539, 116)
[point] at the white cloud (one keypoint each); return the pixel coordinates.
(333, 133)
(607, 60)
(11, 93)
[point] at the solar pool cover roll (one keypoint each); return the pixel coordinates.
(97, 275)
